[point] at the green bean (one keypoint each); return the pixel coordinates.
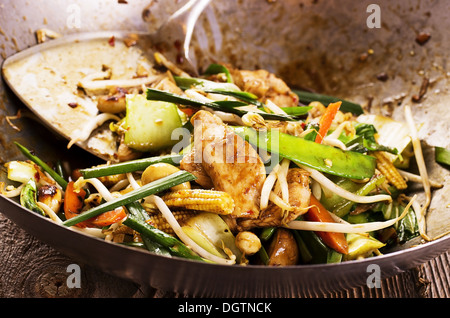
(303, 250)
(263, 255)
(137, 213)
(136, 221)
(128, 166)
(346, 106)
(314, 251)
(134, 195)
(155, 94)
(267, 233)
(217, 69)
(59, 169)
(246, 98)
(154, 247)
(60, 180)
(334, 256)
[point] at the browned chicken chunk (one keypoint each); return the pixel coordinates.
(231, 163)
(196, 168)
(266, 86)
(299, 200)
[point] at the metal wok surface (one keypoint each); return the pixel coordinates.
(323, 46)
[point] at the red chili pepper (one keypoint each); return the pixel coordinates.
(112, 41)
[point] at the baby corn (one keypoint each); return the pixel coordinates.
(388, 169)
(158, 220)
(112, 179)
(200, 200)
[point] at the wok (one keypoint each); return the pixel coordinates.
(324, 46)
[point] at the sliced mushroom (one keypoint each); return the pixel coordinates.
(161, 170)
(283, 249)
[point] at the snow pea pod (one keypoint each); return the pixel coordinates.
(323, 158)
(343, 209)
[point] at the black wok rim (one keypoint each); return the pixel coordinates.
(312, 278)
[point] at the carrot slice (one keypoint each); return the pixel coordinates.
(189, 111)
(73, 205)
(73, 202)
(326, 120)
(318, 213)
(108, 218)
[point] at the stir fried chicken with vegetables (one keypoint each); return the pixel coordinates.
(235, 167)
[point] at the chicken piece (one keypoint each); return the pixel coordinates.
(299, 192)
(188, 163)
(233, 165)
(287, 127)
(283, 249)
(231, 223)
(299, 197)
(266, 86)
(168, 84)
